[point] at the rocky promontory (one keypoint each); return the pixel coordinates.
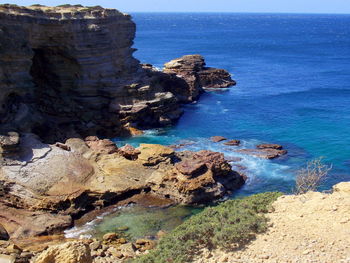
(69, 71)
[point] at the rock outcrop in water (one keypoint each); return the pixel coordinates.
(197, 76)
(69, 71)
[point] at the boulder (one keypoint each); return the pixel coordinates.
(129, 152)
(144, 244)
(70, 252)
(110, 237)
(217, 138)
(103, 146)
(128, 250)
(3, 233)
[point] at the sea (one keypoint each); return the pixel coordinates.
(293, 88)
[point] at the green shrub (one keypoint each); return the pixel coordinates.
(229, 225)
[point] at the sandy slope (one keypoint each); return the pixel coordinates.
(314, 227)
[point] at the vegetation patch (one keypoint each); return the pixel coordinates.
(230, 225)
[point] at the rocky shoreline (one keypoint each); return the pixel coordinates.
(68, 79)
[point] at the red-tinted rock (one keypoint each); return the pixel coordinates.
(104, 146)
(129, 152)
(188, 167)
(217, 139)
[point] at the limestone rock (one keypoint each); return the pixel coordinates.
(343, 188)
(70, 252)
(153, 154)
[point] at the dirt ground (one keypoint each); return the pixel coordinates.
(314, 227)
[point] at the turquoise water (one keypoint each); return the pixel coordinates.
(293, 74)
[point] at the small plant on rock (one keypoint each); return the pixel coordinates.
(311, 177)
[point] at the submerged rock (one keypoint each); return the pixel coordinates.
(270, 146)
(233, 143)
(265, 151)
(218, 139)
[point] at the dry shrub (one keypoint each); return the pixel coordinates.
(310, 177)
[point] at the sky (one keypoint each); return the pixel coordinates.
(264, 6)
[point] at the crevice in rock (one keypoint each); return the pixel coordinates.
(55, 75)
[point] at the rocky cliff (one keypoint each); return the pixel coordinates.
(69, 71)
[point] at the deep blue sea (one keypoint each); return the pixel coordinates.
(293, 75)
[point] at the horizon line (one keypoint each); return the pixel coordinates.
(233, 12)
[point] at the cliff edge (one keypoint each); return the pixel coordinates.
(69, 71)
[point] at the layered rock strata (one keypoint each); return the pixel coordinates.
(69, 71)
(197, 76)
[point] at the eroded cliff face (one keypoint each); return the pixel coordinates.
(70, 70)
